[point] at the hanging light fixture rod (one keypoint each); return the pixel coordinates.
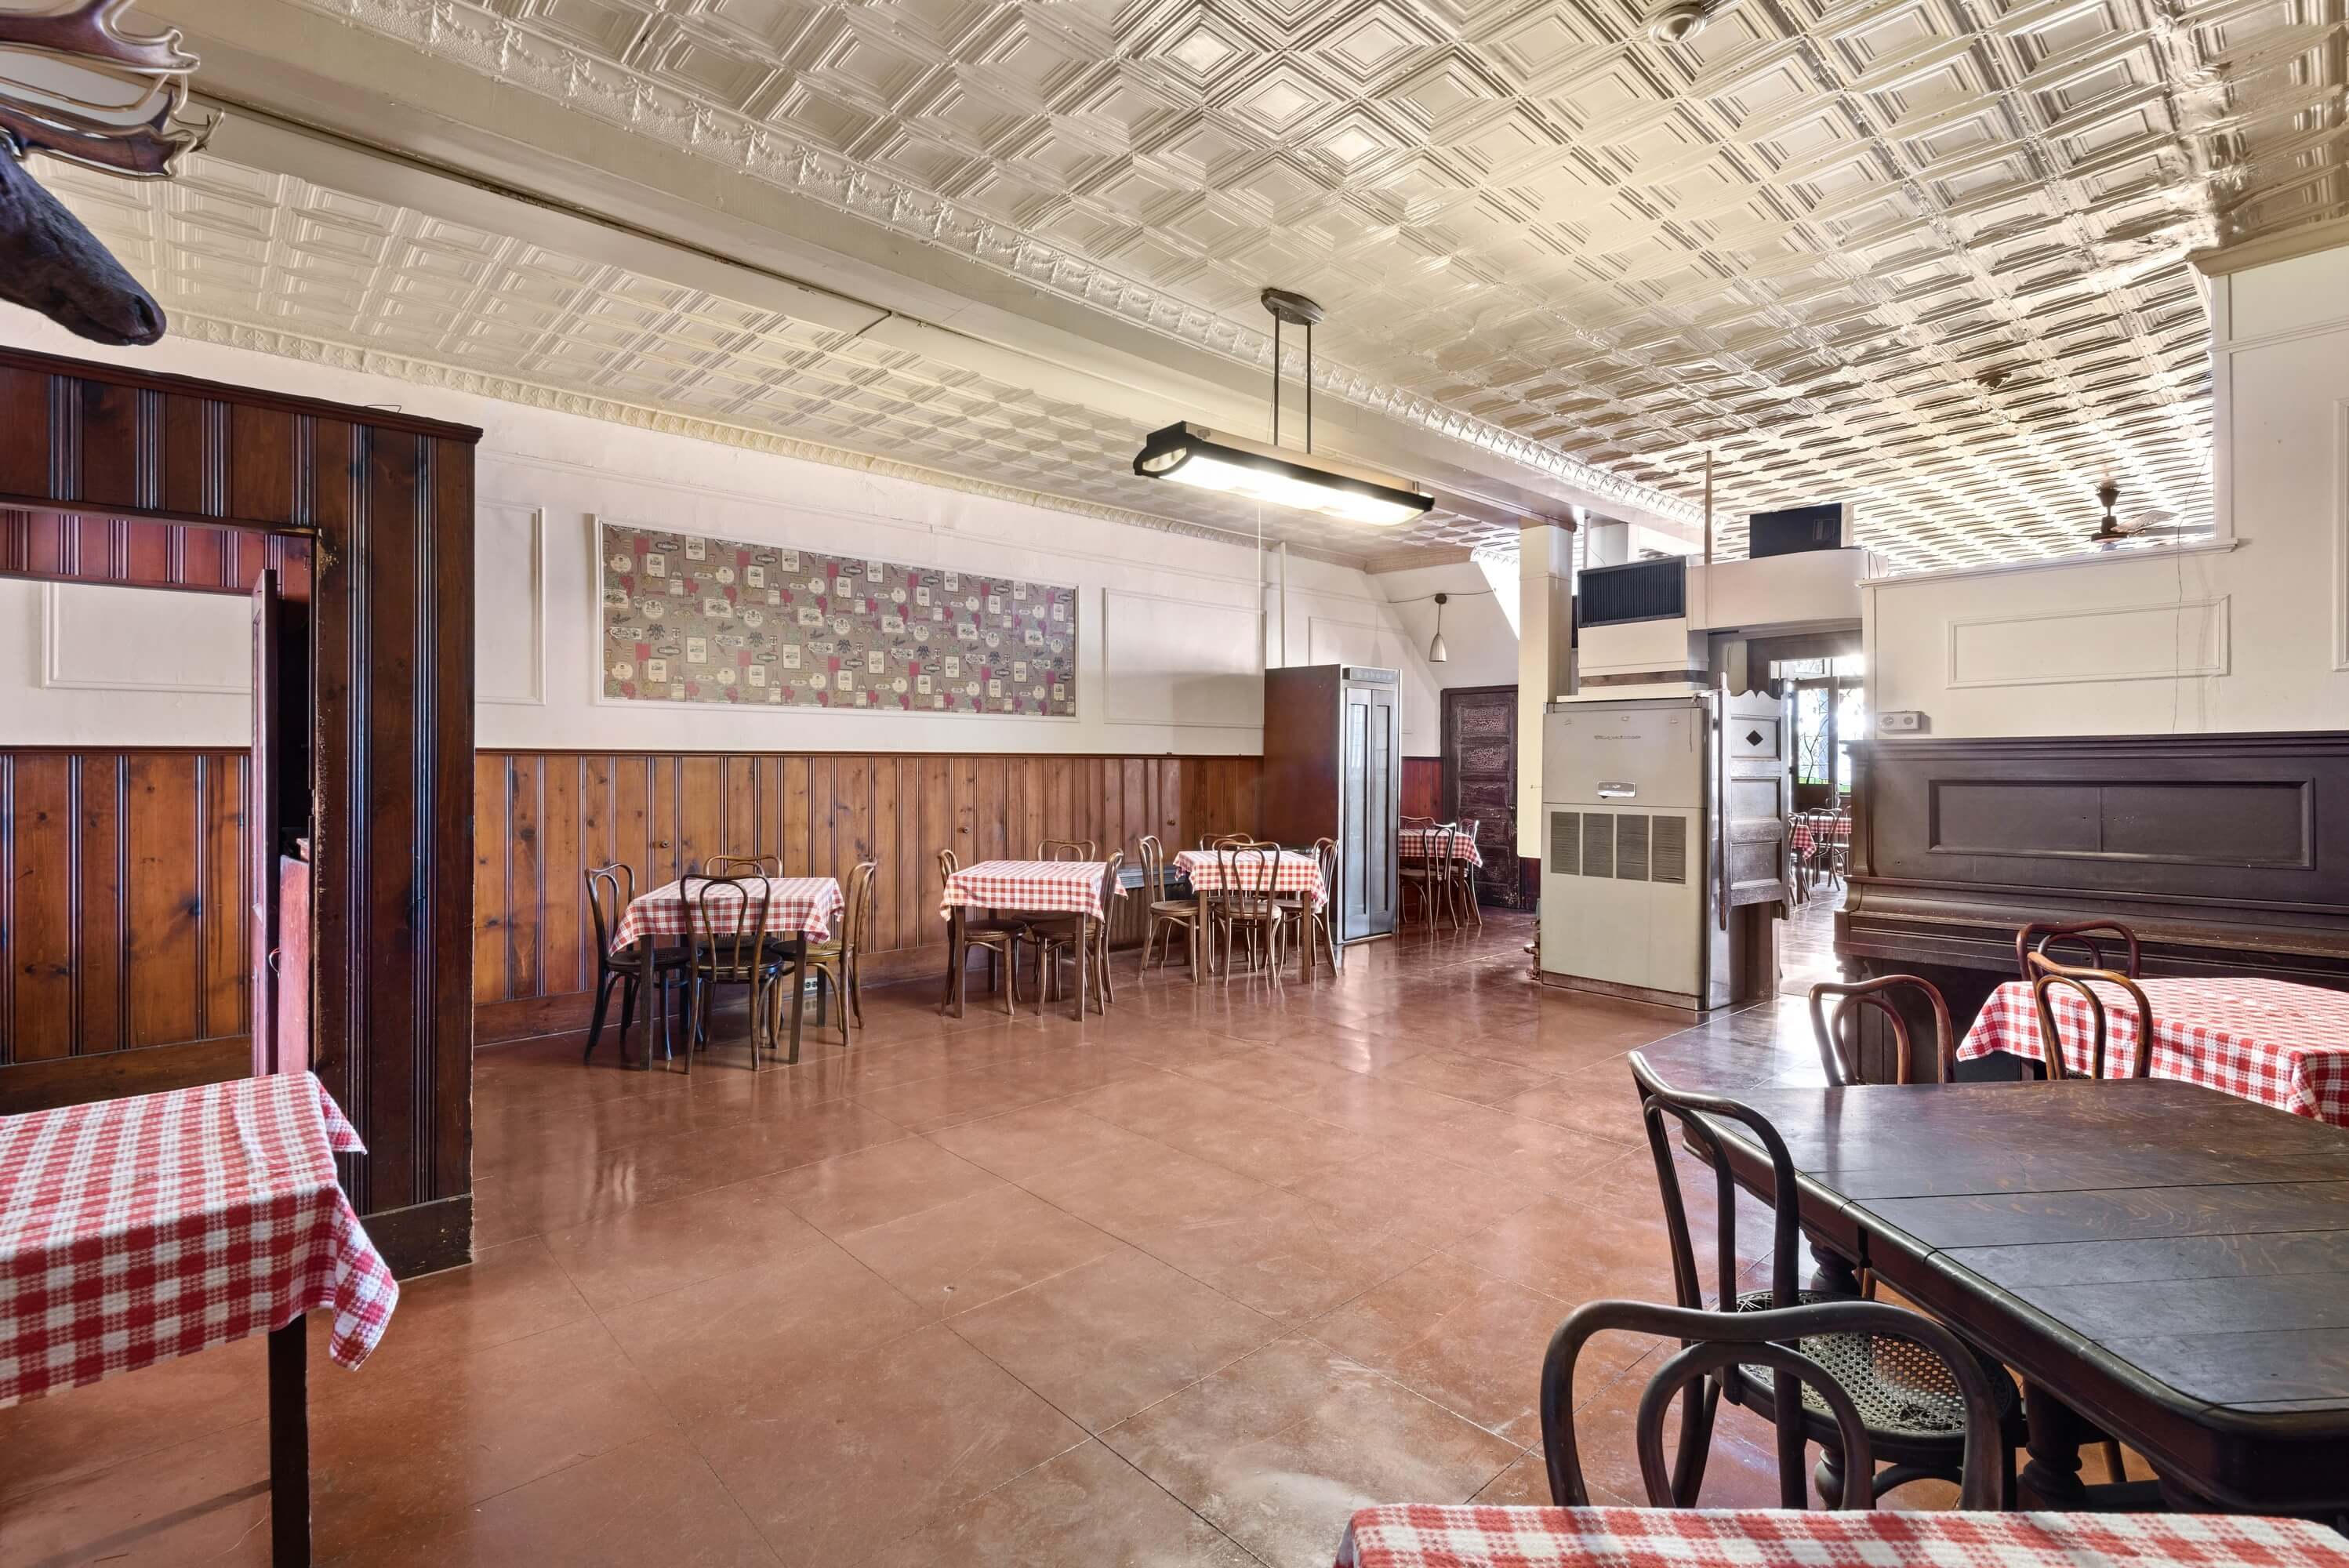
(1290, 308)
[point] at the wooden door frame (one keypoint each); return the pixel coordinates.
(1448, 790)
(385, 617)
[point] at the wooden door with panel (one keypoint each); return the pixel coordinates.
(1480, 782)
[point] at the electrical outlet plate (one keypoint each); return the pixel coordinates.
(1902, 721)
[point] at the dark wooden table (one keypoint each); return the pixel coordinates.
(2165, 1260)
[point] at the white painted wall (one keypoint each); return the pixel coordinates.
(1480, 630)
(1173, 649)
(2249, 633)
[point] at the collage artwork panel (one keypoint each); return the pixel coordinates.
(690, 619)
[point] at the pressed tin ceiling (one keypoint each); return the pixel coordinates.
(1922, 254)
(268, 260)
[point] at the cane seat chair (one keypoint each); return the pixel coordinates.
(1313, 925)
(1911, 1403)
(610, 890)
(1837, 1031)
(832, 963)
(1797, 1342)
(1081, 937)
(743, 866)
(998, 938)
(1068, 849)
(1164, 915)
(1429, 873)
(731, 947)
(1462, 881)
(1245, 900)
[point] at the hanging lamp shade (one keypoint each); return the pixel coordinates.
(1438, 654)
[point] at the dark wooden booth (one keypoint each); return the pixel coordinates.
(2228, 855)
(365, 517)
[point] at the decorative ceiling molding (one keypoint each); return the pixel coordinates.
(259, 339)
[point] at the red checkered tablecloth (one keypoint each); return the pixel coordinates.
(1807, 833)
(1293, 872)
(2267, 1040)
(1028, 887)
(1425, 1536)
(1417, 843)
(134, 1230)
(793, 905)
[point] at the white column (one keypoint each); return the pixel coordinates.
(1545, 650)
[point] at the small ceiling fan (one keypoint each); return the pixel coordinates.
(2113, 530)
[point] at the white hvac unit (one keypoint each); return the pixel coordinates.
(1637, 867)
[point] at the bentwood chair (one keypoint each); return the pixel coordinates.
(1461, 884)
(834, 964)
(1314, 927)
(2047, 976)
(1179, 915)
(1082, 937)
(1910, 1402)
(1801, 1345)
(731, 947)
(743, 865)
(2041, 936)
(998, 938)
(1244, 901)
(610, 890)
(1068, 849)
(1837, 1031)
(1430, 873)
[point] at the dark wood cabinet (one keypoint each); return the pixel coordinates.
(1333, 768)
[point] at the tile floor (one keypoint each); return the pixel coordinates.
(1186, 1285)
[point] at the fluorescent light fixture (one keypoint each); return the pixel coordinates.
(1234, 464)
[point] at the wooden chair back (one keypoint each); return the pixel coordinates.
(729, 924)
(1711, 1343)
(1068, 849)
(856, 924)
(1660, 1100)
(1325, 857)
(1109, 890)
(2045, 975)
(1217, 841)
(2039, 936)
(743, 865)
(1153, 868)
(1839, 1046)
(610, 890)
(1245, 870)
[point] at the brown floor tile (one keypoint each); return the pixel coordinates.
(644, 1502)
(1431, 1199)
(1132, 1191)
(455, 1431)
(1114, 1336)
(658, 1247)
(1019, 1144)
(1287, 1257)
(1087, 1508)
(1574, 1253)
(1278, 1450)
(1740, 1468)
(1255, 1071)
(1275, 1144)
(1463, 1077)
(202, 1500)
(927, 1104)
(1160, 1102)
(966, 1254)
(702, 1346)
(858, 1451)
(1497, 1141)
(1470, 1341)
(875, 1186)
(81, 1431)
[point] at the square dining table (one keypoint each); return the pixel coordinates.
(1019, 887)
(2280, 1044)
(798, 909)
(134, 1230)
(1293, 873)
(2168, 1261)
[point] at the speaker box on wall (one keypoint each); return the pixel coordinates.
(1795, 529)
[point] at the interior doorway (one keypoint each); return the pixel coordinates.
(1480, 782)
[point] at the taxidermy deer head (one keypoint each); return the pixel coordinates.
(73, 86)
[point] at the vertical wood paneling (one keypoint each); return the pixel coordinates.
(123, 907)
(542, 817)
(1423, 786)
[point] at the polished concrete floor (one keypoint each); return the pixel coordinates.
(1183, 1284)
